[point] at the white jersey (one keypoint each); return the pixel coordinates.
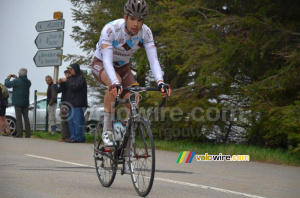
(125, 45)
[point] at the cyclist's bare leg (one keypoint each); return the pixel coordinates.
(108, 102)
(108, 99)
(127, 106)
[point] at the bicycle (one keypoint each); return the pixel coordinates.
(137, 147)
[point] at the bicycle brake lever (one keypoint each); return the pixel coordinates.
(164, 99)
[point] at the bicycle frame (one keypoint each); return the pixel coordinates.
(130, 133)
(136, 152)
(134, 118)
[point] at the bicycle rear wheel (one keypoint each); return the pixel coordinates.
(142, 163)
(106, 168)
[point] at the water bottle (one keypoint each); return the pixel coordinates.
(119, 130)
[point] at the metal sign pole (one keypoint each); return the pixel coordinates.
(46, 126)
(55, 74)
(34, 110)
(57, 15)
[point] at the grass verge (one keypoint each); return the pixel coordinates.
(266, 155)
(259, 154)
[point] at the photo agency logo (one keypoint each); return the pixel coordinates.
(187, 157)
(234, 158)
(197, 114)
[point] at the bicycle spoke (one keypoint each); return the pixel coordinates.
(143, 162)
(105, 166)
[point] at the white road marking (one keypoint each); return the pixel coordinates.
(159, 179)
(208, 187)
(55, 160)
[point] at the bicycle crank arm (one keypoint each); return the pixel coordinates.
(105, 154)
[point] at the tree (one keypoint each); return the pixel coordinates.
(240, 57)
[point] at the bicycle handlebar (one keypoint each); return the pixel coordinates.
(139, 89)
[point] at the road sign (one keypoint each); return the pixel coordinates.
(50, 40)
(57, 15)
(50, 25)
(45, 58)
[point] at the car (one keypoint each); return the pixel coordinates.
(92, 115)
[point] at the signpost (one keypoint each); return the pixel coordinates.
(44, 58)
(50, 25)
(50, 40)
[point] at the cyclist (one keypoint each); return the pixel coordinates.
(118, 41)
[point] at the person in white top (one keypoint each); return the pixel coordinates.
(118, 41)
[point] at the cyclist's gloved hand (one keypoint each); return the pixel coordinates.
(115, 89)
(165, 89)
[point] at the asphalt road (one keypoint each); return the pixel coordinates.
(44, 168)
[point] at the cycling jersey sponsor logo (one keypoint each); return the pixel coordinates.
(106, 40)
(108, 32)
(97, 67)
(96, 72)
(149, 34)
(121, 41)
(118, 53)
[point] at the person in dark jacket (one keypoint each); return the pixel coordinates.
(20, 100)
(3, 105)
(77, 97)
(51, 104)
(62, 88)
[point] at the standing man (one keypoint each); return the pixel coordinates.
(77, 97)
(20, 100)
(51, 104)
(62, 88)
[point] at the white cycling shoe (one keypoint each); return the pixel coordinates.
(107, 138)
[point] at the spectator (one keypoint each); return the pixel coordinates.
(77, 97)
(3, 104)
(20, 100)
(51, 104)
(62, 88)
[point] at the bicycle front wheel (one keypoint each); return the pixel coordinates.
(142, 158)
(105, 166)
